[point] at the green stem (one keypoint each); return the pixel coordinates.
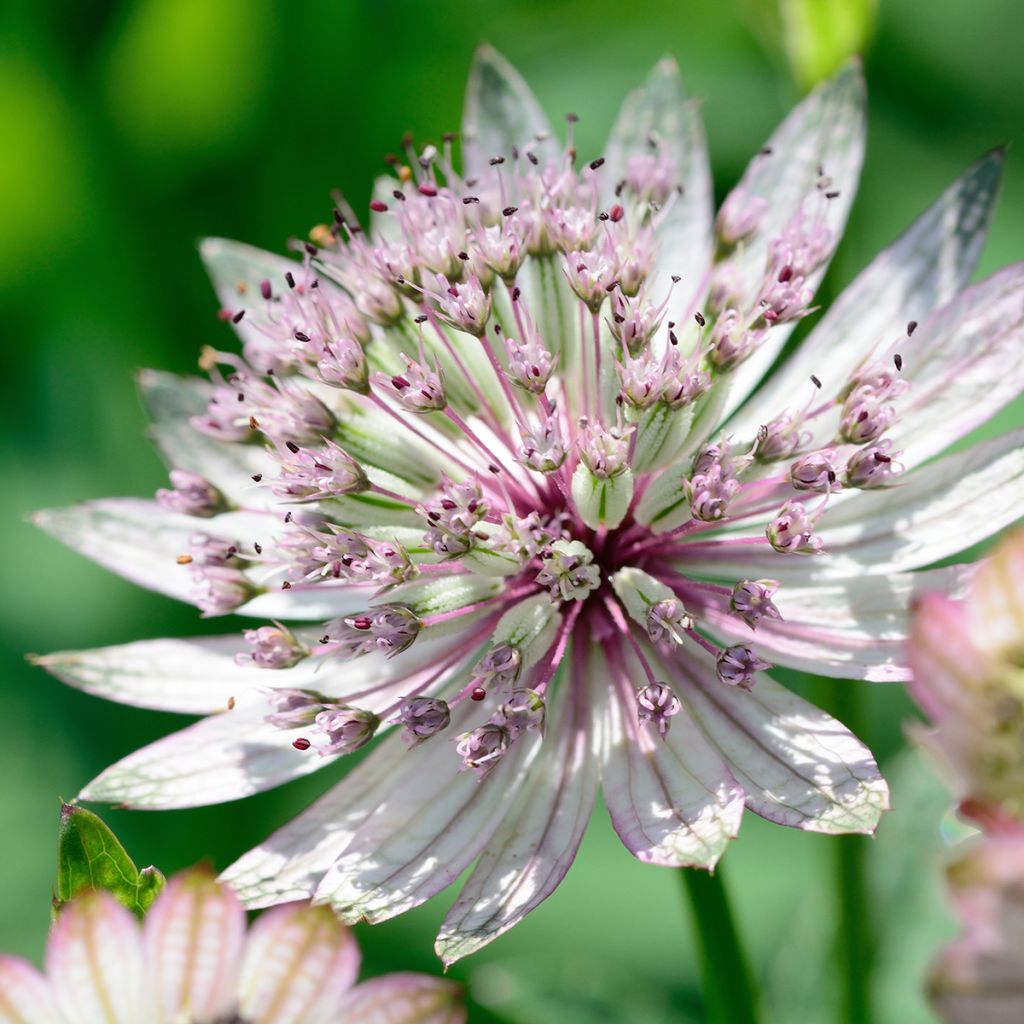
(854, 950)
(729, 994)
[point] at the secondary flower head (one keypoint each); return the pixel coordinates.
(558, 502)
(968, 662)
(194, 961)
(979, 977)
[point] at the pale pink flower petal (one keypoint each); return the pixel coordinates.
(94, 962)
(501, 113)
(143, 542)
(299, 962)
(199, 676)
(25, 996)
(965, 657)
(922, 270)
(853, 628)
(823, 135)
(289, 864)
(660, 120)
(797, 765)
(193, 938)
(193, 961)
(672, 799)
(423, 836)
(900, 528)
(536, 843)
(403, 999)
(224, 757)
(962, 364)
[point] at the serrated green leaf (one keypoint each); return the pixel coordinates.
(90, 856)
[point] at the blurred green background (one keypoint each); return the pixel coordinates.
(131, 129)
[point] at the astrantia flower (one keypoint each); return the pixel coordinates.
(503, 447)
(193, 961)
(979, 977)
(968, 663)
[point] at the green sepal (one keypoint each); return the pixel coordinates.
(662, 433)
(529, 626)
(665, 504)
(90, 856)
(601, 501)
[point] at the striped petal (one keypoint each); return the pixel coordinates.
(299, 962)
(199, 676)
(425, 833)
(535, 844)
(171, 402)
(95, 964)
(963, 364)
(224, 757)
(404, 999)
(193, 939)
(798, 765)
(365, 433)
(824, 132)
(290, 863)
(936, 511)
(660, 111)
(853, 628)
(237, 271)
(141, 541)
(25, 996)
(501, 114)
(922, 270)
(672, 800)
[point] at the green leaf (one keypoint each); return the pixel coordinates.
(90, 856)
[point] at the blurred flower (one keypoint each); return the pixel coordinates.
(498, 409)
(968, 663)
(979, 977)
(193, 961)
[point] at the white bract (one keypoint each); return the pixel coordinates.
(452, 426)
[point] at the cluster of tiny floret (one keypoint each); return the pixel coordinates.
(456, 273)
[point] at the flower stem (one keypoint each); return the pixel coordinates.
(854, 952)
(729, 995)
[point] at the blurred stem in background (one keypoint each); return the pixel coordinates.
(726, 982)
(854, 940)
(814, 37)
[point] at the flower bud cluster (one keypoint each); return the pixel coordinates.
(330, 552)
(657, 704)
(542, 447)
(668, 622)
(713, 483)
(453, 515)
(568, 570)
(737, 666)
(752, 601)
(388, 629)
(272, 647)
(336, 727)
(312, 474)
(192, 495)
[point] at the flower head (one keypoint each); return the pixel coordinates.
(978, 978)
(562, 495)
(968, 661)
(193, 960)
